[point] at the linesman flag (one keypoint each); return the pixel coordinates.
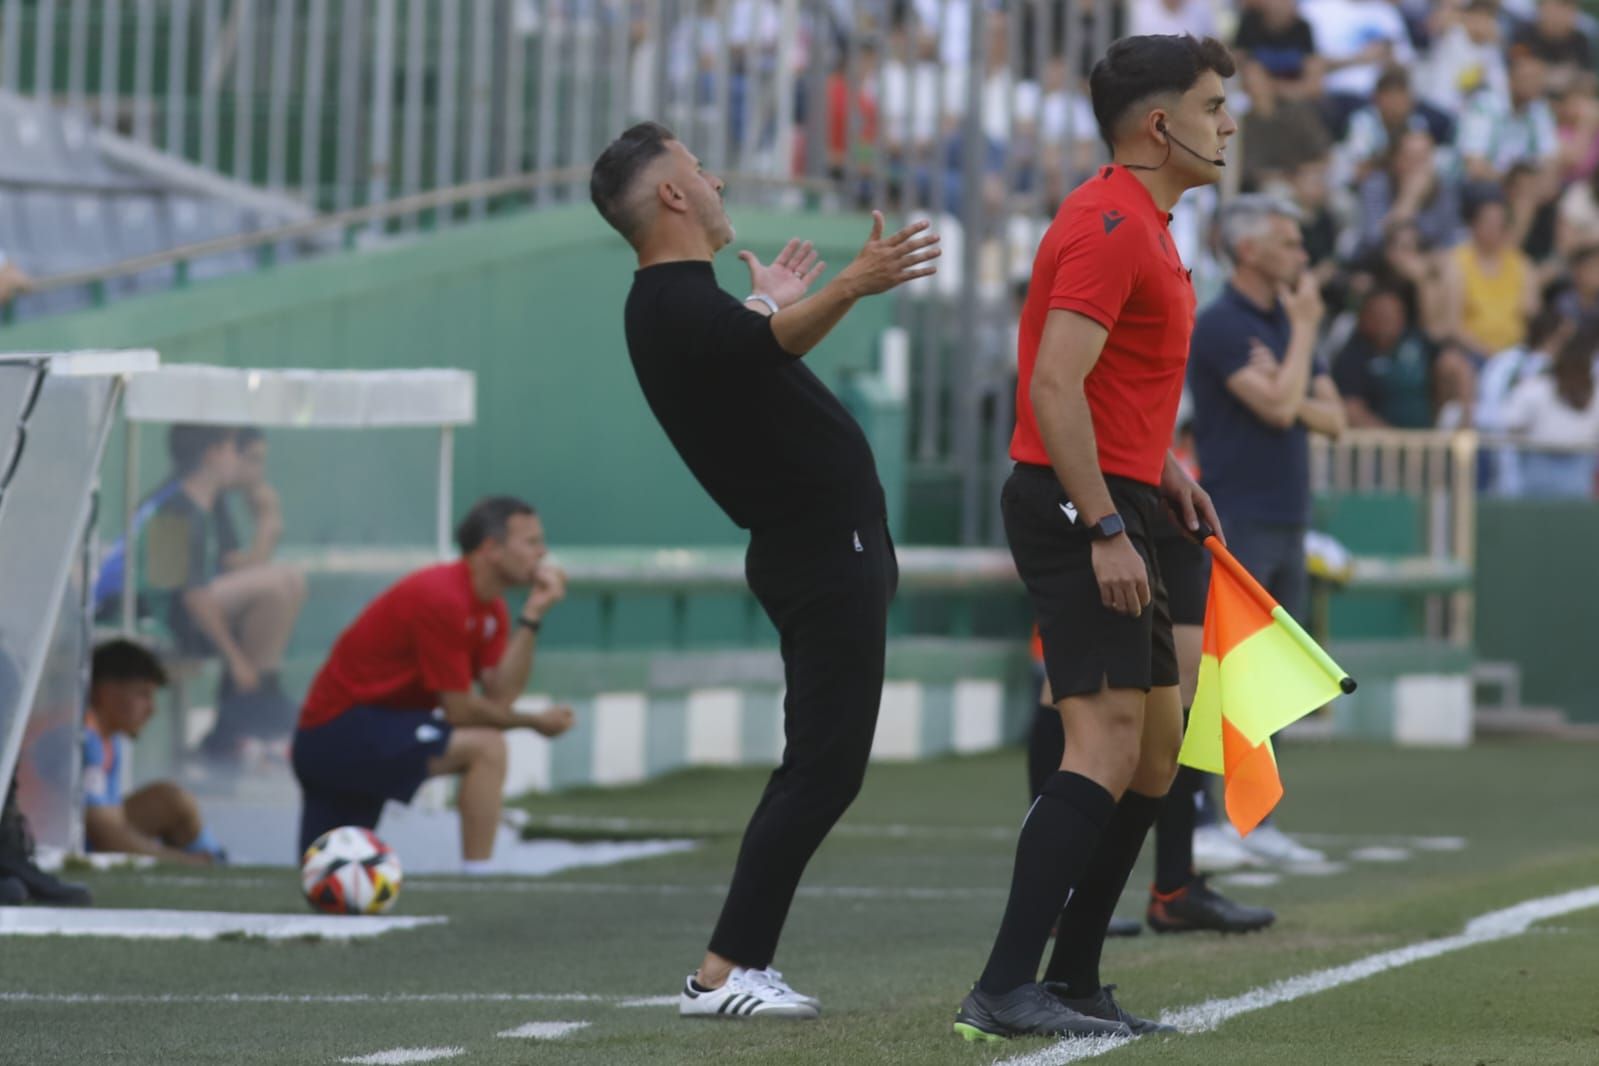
(1260, 672)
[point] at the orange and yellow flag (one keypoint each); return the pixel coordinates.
(1260, 672)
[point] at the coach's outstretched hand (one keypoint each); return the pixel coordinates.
(791, 274)
(889, 262)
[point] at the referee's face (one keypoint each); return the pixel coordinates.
(1202, 122)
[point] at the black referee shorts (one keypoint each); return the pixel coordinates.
(1185, 567)
(1087, 646)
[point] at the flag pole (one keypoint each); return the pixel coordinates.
(1223, 557)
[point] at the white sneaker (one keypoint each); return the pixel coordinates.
(746, 994)
(775, 979)
(1273, 845)
(1218, 847)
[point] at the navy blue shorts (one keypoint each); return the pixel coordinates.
(348, 767)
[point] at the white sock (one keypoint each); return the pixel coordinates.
(477, 867)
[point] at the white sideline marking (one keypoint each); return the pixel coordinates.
(1203, 1017)
(650, 1001)
(195, 925)
(543, 1030)
(406, 1054)
(605, 888)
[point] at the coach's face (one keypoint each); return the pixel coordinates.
(696, 192)
(1279, 253)
(1202, 122)
(518, 555)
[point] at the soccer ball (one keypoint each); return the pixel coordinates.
(348, 870)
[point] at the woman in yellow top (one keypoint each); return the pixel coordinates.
(1492, 286)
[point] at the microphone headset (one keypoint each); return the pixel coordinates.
(1160, 125)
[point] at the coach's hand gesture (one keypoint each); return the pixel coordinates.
(1122, 575)
(549, 589)
(888, 262)
(791, 274)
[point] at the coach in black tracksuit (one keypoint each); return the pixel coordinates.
(783, 458)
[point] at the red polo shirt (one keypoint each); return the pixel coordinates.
(428, 634)
(1109, 256)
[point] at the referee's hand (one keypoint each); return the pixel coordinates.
(889, 262)
(1123, 577)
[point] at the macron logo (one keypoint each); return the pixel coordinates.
(1112, 219)
(1070, 512)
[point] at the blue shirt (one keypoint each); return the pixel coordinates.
(1253, 471)
(103, 759)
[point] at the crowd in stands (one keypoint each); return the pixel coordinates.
(1444, 154)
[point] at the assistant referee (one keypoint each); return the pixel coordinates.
(783, 458)
(1103, 345)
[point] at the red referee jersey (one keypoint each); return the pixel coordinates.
(1109, 256)
(428, 634)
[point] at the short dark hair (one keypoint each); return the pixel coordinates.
(1477, 197)
(1542, 326)
(617, 170)
(188, 442)
(123, 660)
(1137, 68)
(1394, 77)
(245, 436)
(487, 520)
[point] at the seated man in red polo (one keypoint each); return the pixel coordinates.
(425, 682)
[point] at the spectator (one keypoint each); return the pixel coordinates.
(395, 702)
(1403, 266)
(1495, 135)
(910, 96)
(1558, 410)
(857, 107)
(244, 615)
(1530, 215)
(1375, 129)
(1466, 58)
(1383, 372)
(1579, 304)
(1577, 215)
(1279, 134)
(1491, 285)
(1410, 190)
(1546, 334)
(1196, 18)
(1274, 34)
(162, 819)
(1577, 126)
(1307, 186)
(1555, 38)
(1357, 40)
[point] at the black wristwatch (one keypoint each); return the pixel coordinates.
(1109, 526)
(530, 625)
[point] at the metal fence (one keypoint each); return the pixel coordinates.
(972, 113)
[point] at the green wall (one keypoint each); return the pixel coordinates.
(1538, 598)
(532, 303)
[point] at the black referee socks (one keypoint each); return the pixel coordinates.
(1057, 840)
(1081, 936)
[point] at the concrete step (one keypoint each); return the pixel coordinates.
(1522, 721)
